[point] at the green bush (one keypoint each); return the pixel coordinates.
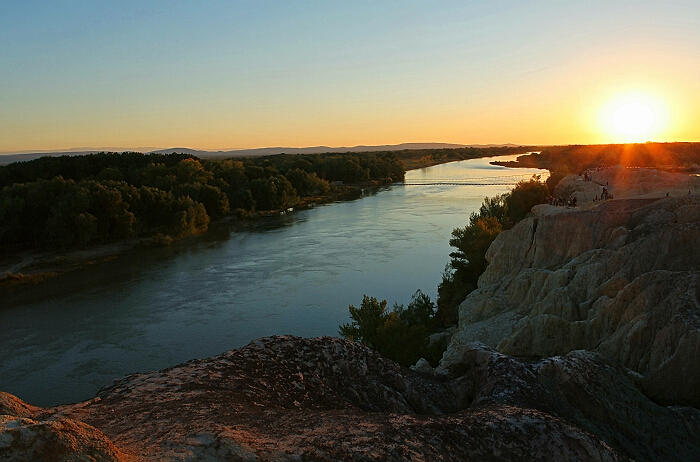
(366, 321)
(401, 334)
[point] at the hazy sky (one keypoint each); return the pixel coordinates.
(243, 74)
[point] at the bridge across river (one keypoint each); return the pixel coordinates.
(501, 180)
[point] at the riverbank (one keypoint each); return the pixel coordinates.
(34, 267)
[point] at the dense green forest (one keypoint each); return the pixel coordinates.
(576, 158)
(74, 201)
(402, 333)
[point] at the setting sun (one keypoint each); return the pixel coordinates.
(634, 117)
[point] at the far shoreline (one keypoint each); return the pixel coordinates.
(32, 267)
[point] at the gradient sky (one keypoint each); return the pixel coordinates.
(245, 74)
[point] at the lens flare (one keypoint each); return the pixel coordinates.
(634, 117)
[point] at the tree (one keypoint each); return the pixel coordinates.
(273, 193)
(158, 176)
(306, 184)
(213, 199)
(366, 320)
(190, 171)
(420, 310)
(114, 220)
(494, 207)
(400, 341)
(467, 263)
(471, 243)
(524, 196)
(84, 228)
(155, 208)
(11, 212)
(400, 335)
(190, 217)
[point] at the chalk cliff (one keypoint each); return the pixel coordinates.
(620, 279)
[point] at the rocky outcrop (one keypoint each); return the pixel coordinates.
(624, 183)
(620, 279)
(326, 399)
(27, 435)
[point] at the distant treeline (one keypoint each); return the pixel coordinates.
(415, 158)
(69, 201)
(575, 158)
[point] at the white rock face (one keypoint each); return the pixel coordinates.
(620, 279)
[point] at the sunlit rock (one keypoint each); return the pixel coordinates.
(620, 279)
(51, 438)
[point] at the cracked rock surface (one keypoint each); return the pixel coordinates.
(327, 399)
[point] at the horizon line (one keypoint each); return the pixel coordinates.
(447, 145)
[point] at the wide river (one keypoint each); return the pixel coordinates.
(294, 274)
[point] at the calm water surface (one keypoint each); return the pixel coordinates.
(291, 275)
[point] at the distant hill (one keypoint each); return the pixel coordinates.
(322, 149)
(23, 156)
(8, 158)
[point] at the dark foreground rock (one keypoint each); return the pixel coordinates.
(326, 399)
(27, 435)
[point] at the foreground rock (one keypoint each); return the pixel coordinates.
(287, 398)
(620, 279)
(28, 435)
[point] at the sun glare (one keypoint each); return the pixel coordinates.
(633, 118)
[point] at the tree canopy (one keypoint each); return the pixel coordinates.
(400, 334)
(74, 201)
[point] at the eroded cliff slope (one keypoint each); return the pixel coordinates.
(620, 279)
